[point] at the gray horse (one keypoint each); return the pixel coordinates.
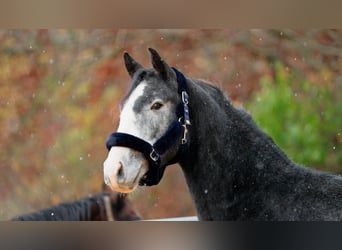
(233, 169)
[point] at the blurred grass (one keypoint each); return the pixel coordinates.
(303, 118)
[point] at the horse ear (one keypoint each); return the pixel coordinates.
(160, 66)
(131, 65)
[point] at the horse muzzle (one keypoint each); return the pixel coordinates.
(123, 169)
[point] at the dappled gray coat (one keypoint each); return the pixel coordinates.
(233, 169)
(236, 172)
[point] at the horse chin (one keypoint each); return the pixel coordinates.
(122, 188)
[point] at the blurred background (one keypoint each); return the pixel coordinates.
(60, 89)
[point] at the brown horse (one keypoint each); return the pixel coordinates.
(103, 206)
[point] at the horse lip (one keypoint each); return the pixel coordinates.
(124, 189)
(119, 187)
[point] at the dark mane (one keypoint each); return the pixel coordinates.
(213, 89)
(244, 117)
(138, 78)
(90, 208)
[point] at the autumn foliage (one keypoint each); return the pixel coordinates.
(60, 93)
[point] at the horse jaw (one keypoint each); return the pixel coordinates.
(124, 168)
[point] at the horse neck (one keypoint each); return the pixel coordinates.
(227, 150)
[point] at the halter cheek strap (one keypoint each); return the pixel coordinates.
(176, 133)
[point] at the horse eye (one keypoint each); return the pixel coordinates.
(156, 106)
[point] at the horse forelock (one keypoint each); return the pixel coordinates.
(138, 78)
(149, 76)
(146, 87)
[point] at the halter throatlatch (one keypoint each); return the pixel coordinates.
(176, 133)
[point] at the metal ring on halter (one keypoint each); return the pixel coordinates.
(154, 155)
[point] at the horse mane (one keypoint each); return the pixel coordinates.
(90, 208)
(221, 98)
(66, 211)
(214, 90)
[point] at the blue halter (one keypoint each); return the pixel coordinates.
(176, 133)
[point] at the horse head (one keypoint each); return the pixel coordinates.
(147, 113)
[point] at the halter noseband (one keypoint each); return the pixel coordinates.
(177, 132)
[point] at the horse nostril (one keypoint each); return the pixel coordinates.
(120, 173)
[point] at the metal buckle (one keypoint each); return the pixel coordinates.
(184, 139)
(154, 155)
(185, 97)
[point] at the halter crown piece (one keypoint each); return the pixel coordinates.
(177, 132)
